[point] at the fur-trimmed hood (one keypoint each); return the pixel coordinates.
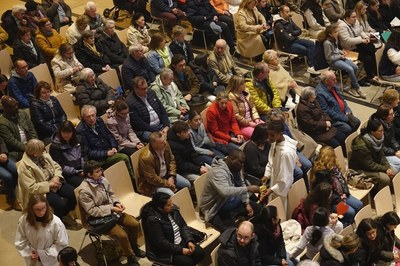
(329, 251)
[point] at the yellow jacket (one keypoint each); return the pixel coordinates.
(259, 96)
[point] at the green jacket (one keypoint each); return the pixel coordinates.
(365, 158)
(259, 97)
(9, 132)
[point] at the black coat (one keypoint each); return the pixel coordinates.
(177, 49)
(186, 158)
(90, 59)
(113, 48)
(22, 51)
(200, 13)
(160, 235)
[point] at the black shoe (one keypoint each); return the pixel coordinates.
(132, 261)
(139, 253)
(364, 83)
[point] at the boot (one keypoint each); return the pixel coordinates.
(132, 261)
(138, 252)
(15, 205)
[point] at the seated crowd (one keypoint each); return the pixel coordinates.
(188, 115)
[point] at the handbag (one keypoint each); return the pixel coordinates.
(103, 224)
(198, 236)
(353, 121)
(358, 180)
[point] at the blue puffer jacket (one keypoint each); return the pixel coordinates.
(46, 119)
(95, 146)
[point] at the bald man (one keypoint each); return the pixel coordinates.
(221, 61)
(239, 246)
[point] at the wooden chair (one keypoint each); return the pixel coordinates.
(63, 30)
(122, 35)
(42, 73)
(183, 200)
(348, 142)
(135, 164)
(340, 159)
(383, 201)
(110, 78)
(203, 115)
(121, 183)
(278, 203)
(365, 212)
(214, 255)
(387, 84)
(289, 56)
(297, 192)
(348, 230)
(317, 257)
(93, 235)
(396, 188)
(154, 19)
(69, 107)
(6, 63)
(198, 188)
(144, 230)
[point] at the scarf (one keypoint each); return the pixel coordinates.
(31, 47)
(377, 144)
(47, 33)
(49, 103)
(166, 57)
(92, 48)
(95, 182)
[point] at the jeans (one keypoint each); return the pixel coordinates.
(351, 69)
(303, 47)
(345, 128)
(9, 174)
(392, 78)
(354, 206)
(181, 182)
(301, 172)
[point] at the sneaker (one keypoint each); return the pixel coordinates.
(364, 83)
(353, 92)
(362, 94)
(312, 71)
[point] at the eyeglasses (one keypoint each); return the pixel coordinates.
(244, 238)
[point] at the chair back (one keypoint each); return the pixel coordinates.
(340, 159)
(199, 186)
(110, 78)
(135, 164)
(183, 200)
(383, 201)
(348, 142)
(203, 115)
(6, 63)
(122, 35)
(317, 257)
(396, 188)
(214, 255)
(298, 19)
(278, 203)
(297, 192)
(80, 212)
(70, 109)
(348, 230)
(365, 212)
(378, 57)
(42, 73)
(121, 183)
(63, 31)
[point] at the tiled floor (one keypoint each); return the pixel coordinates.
(8, 219)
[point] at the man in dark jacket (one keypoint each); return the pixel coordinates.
(146, 111)
(97, 141)
(287, 38)
(58, 12)
(115, 50)
(239, 247)
(22, 83)
(188, 161)
(135, 65)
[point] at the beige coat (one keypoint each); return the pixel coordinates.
(32, 180)
(248, 38)
(224, 66)
(134, 37)
(239, 108)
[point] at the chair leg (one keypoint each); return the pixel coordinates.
(341, 81)
(205, 40)
(376, 93)
(291, 65)
(83, 240)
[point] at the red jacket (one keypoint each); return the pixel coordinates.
(222, 122)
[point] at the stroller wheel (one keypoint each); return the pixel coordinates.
(116, 14)
(106, 12)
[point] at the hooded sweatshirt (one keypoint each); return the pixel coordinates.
(219, 188)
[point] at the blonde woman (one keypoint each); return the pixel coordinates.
(245, 112)
(75, 31)
(362, 18)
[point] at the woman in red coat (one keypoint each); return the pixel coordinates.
(221, 122)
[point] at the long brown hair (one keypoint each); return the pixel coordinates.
(30, 214)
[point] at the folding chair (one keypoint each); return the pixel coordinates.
(278, 203)
(297, 192)
(70, 109)
(153, 18)
(214, 255)
(135, 164)
(121, 182)
(6, 63)
(365, 212)
(383, 201)
(42, 73)
(348, 230)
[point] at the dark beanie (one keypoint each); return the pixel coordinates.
(30, 5)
